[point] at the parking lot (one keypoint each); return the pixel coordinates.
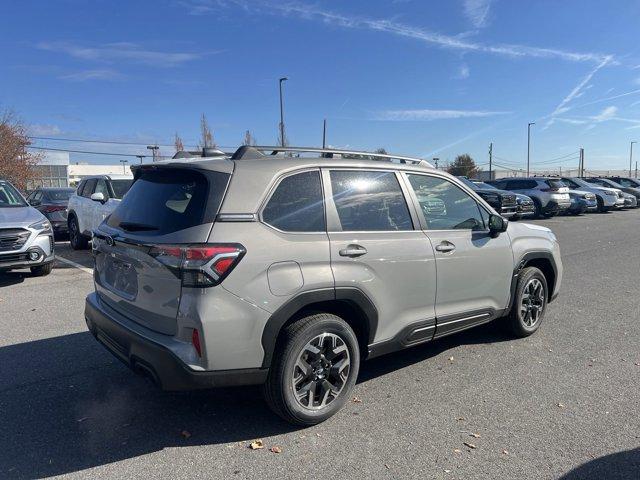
(474, 405)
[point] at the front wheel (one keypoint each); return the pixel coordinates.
(529, 303)
(42, 270)
(314, 369)
(77, 240)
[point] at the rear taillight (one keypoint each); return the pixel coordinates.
(200, 265)
(53, 208)
(195, 341)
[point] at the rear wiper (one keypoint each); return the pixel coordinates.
(137, 227)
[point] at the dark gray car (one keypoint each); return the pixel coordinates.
(52, 203)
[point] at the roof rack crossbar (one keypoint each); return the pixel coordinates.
(331, 151)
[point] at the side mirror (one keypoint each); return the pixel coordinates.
(97, 197)
(497, 224)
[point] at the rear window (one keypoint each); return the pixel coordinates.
(120, 187)
(59, 194)
(555, 183)
(166, 201)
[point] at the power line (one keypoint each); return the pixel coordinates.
(89, 153)
(560, 157)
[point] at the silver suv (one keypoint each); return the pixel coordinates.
(550, 196)
(287, 272)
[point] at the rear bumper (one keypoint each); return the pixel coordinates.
(126, 341)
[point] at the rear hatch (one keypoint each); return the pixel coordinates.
(165, 208)
(559, 191)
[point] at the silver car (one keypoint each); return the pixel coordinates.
(550, 196)
(606, 198)
(263, 268)
(26, 236)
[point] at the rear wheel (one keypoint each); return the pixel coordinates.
(314, 369)
(77, 240)
(601, 208)
(529, 303)
(42, 270)
(538, 209)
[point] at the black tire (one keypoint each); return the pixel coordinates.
(280, 390)
(549, 214)
(538, 208)
(517, 321)
(601, 207)
(77, 240)
(42, 270)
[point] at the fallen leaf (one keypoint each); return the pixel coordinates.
(185, 434)
(459, 419)
(504, 452)
(256, 445)
(474, 435)
(451, 359)
(356, 400)
(457, 450)
(560, 405)
(470, 445)
(275, 450)
(447, 471)
(637, 364)
(386, 466)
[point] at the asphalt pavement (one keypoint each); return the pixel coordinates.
(563, 403)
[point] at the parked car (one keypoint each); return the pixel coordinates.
(550, 196)
(630, 201)
(26, 236)
(581, 202)
(605, 182)
(606, 198)
(502, 201)
(283, 271)
(524, 204)
(625, 181)
(52, 203)
(93, 201)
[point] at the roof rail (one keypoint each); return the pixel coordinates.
(330, 152)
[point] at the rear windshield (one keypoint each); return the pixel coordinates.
(555, 183)
(120, 187)
(59, 194)
(166, 201)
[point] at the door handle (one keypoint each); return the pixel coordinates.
(353, 251)
(445, 247)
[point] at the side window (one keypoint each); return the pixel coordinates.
(101, 187)
(513, 185)
(297, 204)
(89, 187)
(570, 183)
(80, 188)
(445, 206)
(369, 201)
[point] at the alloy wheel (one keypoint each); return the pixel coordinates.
(532, 303)
(321, 371)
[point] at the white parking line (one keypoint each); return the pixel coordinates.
(74, 264)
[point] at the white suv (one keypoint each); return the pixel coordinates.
(93, 201)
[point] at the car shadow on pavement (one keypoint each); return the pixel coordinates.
(67, 405)
(623, 465)
(12, 278)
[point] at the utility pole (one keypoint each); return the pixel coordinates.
(490, 160)
(140, 157)
(581, 163)
(124, 169)
(435, 161)
(529, 144)
(636, 169)
(631, 156)
(324, 133)
(283, 79)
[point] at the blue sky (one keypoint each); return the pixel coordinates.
(432, 79)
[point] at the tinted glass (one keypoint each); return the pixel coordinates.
(161, 201)
(555, 183)
(120, 187)
(485, 185)
(570, 183)
(468, 183)
(444, 205)
(296, 205)
(89, 187)
(62, 194)
(369, 201)
(101, 187)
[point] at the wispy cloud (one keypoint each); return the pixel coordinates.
(391, 27)
(44, 130)
(122, 51)
(607, 113)
(429, 115)
(477, 12)
(463, 72)
(86, 75)
(576, 92)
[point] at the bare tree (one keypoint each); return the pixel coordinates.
(16, 163)
(178, 143)
(206, 140)
(249, 139)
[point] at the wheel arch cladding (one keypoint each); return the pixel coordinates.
(350, 304)
(544, 262)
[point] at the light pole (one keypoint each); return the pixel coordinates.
(529, 144)
(154, 149)
(140, 157)
(124, 169)
(631, 157)
(283, 79)
(435, 161)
